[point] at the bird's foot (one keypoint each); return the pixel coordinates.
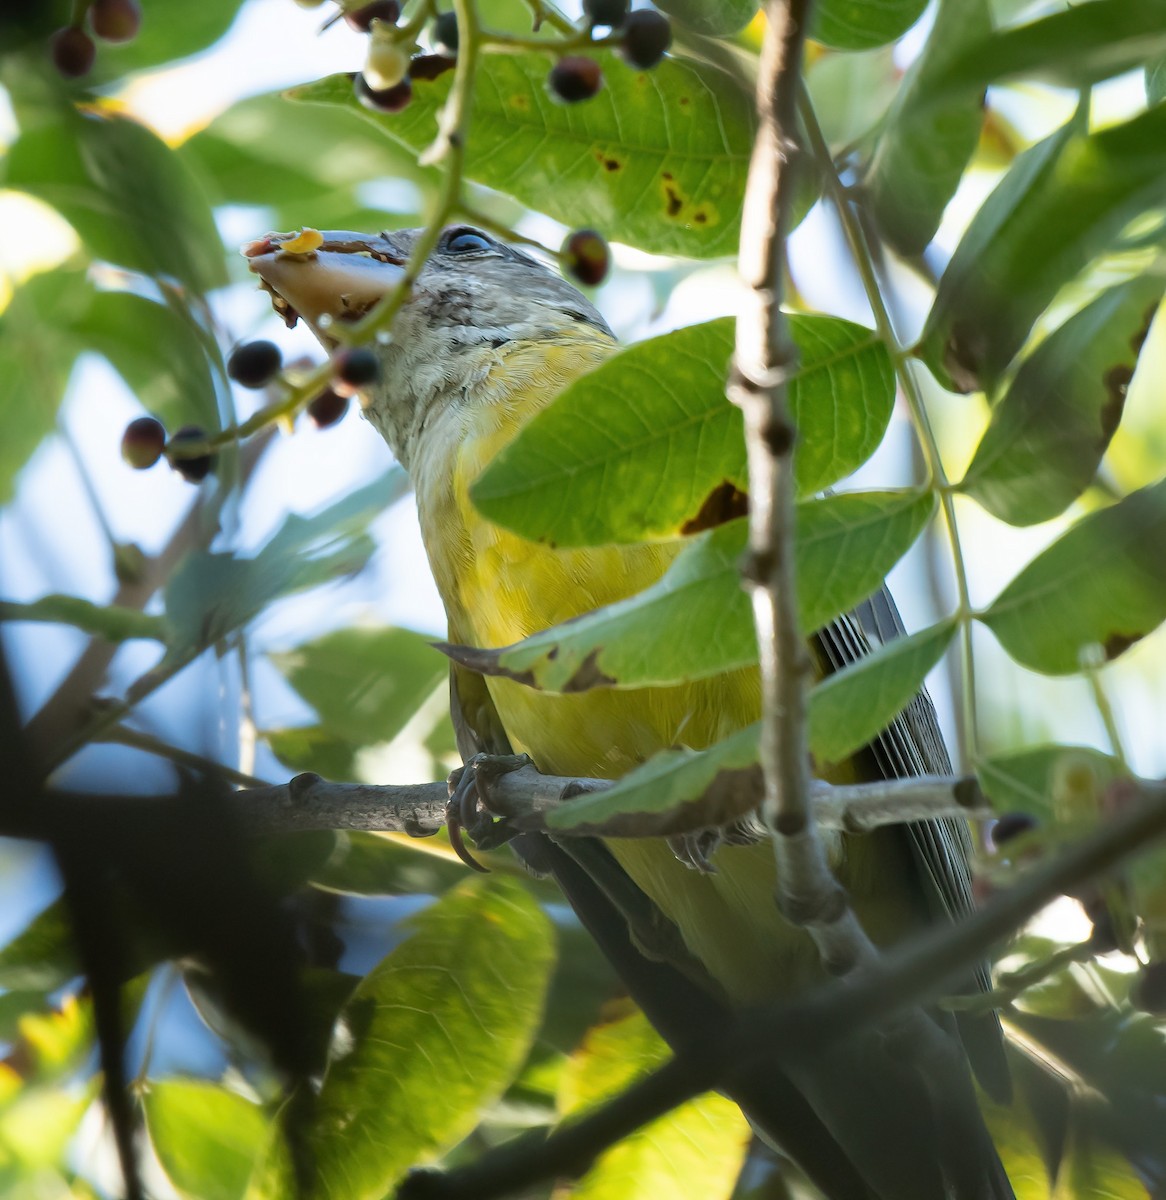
(468, 808)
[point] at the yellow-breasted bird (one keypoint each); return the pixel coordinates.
(487, 339)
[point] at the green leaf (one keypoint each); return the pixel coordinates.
(308, 163)
(694, 1152)
(850, 708)
(717, 18)
(431, 1036)
(1038, 781)
(211, 594)
(670, 449)
(175, 32)
(657, 159)
(314, 748)
(852, 92)
(861, 24)
(1156, 81)
(112, 622)
(1052, 425)
(41, 958)
(156, 352)
(674, 791)
(1074, 48)
(364, 683)
(206, 1138)
(697, 621)
(125, 193)
(924, 146)
(35, 363)
(1121, 1056)
(372, 864)
(1103, 583)
(1063, 202)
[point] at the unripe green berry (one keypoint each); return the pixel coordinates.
(386, 65)
(646, 37)
(254, 364)
(575, 78)
(586, 257)
(143, 442)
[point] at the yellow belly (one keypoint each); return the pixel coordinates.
(499, 588)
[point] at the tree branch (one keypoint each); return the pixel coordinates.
(809, 896)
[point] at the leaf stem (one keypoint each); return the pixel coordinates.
(913, 394)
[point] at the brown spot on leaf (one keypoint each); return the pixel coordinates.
(674, 199)
(667, 175)
(484, 662)
(588, 675)
(1117, 381)
(724, 503)
(519, 101)
(684, 101)
(700, 218)
(1119, 643)
(611, 164)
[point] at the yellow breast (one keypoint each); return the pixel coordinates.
(499, 588)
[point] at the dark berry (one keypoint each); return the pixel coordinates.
(361, 19)
(445, 31)
(143, 442)
(1011, 825)
(586, 257)
(575, 78)
(1149, 991)
(354, 367)
(72, 51)
(254, 364)
(389, 100)
(646, 36)
(430, 66)
(1104, 937)
(192, 469)
(116, 20)
(606, 12)
(328, 407)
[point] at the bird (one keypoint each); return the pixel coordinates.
(486, 339)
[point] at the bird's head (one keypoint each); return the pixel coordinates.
(476, 299)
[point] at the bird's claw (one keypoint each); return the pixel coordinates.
(467, 809)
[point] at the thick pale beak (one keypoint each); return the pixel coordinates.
(332, 274)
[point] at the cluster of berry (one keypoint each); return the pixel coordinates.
(386, 83)
(72, 49)
(253, 365)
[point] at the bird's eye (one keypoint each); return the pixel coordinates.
(466, 241)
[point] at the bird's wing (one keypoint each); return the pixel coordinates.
(913, 745)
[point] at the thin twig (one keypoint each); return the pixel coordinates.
(909, 385)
